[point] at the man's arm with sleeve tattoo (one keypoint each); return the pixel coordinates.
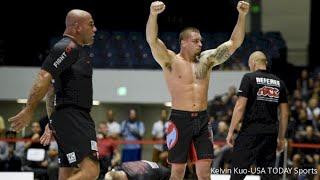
(224, 51)
(214, 57)
(38, 91)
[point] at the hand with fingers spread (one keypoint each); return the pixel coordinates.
(47, 136)
(243, 7)
(157, 7)
(21, 120)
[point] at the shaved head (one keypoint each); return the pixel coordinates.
(76, 16)
(257, 60)
(80, 26)
(258, 57)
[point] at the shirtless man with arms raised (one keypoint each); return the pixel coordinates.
(187, 75)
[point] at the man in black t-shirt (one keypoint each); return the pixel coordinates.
(139, 170)
(66, 78)
(260, 95)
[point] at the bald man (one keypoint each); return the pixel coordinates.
(260, 96)
(66, 78)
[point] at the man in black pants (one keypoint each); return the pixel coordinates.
(260, 95)
(66, 78)
(139, 170)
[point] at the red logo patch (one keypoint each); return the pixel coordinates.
(172, 135)
(269, 91)
(68, 50)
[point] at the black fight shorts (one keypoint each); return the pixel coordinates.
(74, 131)
(188, 135)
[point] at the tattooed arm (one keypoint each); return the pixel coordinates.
(49, 101)
(38, 91)
(224, 51)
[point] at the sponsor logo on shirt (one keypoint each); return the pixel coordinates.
(269, 82)
(60, 59)
(267, 93)
(68, 49)
(71, 157)
(94, 146)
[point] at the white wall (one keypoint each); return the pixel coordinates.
(17, 175)
(143, 86)
(291, 18)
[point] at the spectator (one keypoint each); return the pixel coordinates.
(4, 153)
(310, 138)
(102, 129)
(222, 133)
(2, 127)
(38, 167)
(109, 155)
(114, 129)
(158, 133)
(132, 130)
(52, 159)
(8, 160)
(35, 137)
(313, 111)
(305, 84)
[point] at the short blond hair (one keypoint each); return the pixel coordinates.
(185, 33)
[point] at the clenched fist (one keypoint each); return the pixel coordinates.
(157, 7)
(243, 7)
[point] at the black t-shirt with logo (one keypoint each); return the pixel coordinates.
(71, 70)
(265, 92)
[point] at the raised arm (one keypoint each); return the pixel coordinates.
(159, 51)
(224, 51)
(38, 91)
